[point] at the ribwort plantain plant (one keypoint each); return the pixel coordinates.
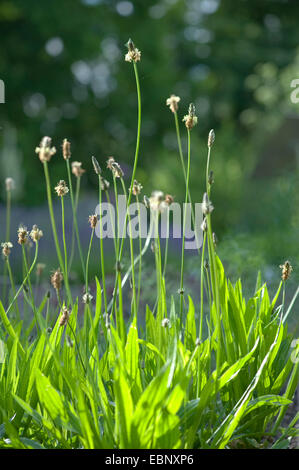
(217, 375)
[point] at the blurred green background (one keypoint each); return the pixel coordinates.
(65, 75)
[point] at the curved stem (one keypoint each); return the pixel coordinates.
(25, 279)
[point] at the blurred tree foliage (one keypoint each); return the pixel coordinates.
(63, 65)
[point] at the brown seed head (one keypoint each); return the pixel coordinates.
(6, 248)
(169, 199)
(93, 220)
(65, 315)
(66, 149)
(56, 279)
(61, 188)
(286, 268)
(172, 102)
(77, 170)
(45, 151)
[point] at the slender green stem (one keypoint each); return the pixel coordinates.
(30, 287)
(184, 171)
(54, 230)
(74, 208)
(7, 236)
(25, 279)
(207, 172)
(133, 173)
(131, 252)
(102, 248)
(87, 260)
(74, 232)
(63, 235)
(12, 285)
(166, 245)
(140, 253)
(201, 285)
(184, 227)
(158, 261)
(77, 346)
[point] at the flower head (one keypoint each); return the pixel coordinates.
(10, 184)
(22, 235)
(93, 220)
(136, 188)
(165, 323)
(87, 298)
(6, 248)
(66, 149)
(172, 102)
(40, 269)
(155, 200)
(207, 206)
(133, 54)
(104, 184)
(286, 268)
(45, 151)
(211, 138)
(36, 234)
(109, 163)
(65, 316)
(190, 119)
(96, 166)
(61, 188)
(77, 170)
(56, 279)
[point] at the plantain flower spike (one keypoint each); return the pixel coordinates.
(45, 151)
(133, 54)
(190, 119)
(172, 102)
